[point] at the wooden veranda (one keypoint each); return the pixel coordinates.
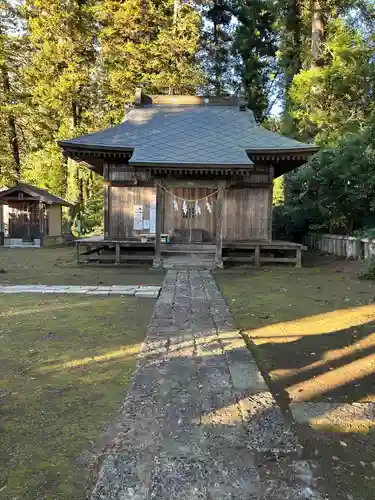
(98, 249)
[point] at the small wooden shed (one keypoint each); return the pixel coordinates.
(30, 217)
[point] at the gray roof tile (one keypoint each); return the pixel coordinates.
(188, 135)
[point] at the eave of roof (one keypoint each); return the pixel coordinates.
(37, 193)
(184, 136)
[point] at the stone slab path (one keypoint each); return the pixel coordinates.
(137, 291)
(198, 421)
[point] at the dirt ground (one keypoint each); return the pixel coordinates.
(57, 266)
(312, 331)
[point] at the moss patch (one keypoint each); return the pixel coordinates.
(56, 266)
(65, 362)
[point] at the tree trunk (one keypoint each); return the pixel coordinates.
(11, 124)
(317, 33)
(293, 28)
(292, 59)
(217, 61)
(292, 65)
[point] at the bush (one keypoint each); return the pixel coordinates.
(292, 223)
(369, 274)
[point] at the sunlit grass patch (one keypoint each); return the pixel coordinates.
(65, 363)
(312, 332)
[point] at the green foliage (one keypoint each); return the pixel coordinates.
(332, 100)
(278, 191)
(254, 47)
(91, 218)
(82, 63)
(365, 233)
(369, 273)
(59, 76)
(146, 42)
(14, 52)
(335, 192)
(215, 51)
(340, 182)
(293, 222)
(43, 168)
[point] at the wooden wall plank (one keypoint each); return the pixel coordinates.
(246, 214)
(246, 211)
(173, 219)
(121, 209)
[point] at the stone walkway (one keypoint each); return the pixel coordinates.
(138, 291)
(198, 421)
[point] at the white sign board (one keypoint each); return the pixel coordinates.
(146, 224)
(138, 217)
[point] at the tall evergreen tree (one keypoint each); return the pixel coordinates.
(150, 43)
(216, 46)
(12, 48)
(291, 50)
(61, 71)
(255, 50)
(61, 83)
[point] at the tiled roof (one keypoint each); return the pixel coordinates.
(188, 135)
(35, 192)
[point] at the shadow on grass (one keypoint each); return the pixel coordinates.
(327, 370)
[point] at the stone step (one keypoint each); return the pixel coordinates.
(187, 267)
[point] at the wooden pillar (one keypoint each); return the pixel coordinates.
(118, 252)
(157, 264)
(41, 223)
(257, 256)
(2, 230)
(106, 200)
(271, 174)
(219, 224)
(77, 252)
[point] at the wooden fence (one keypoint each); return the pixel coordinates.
(349, 247)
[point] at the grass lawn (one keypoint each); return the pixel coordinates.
(65, 362)
(312, 331)
(56, 266)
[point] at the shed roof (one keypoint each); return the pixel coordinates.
(188, 135)
(34, 192)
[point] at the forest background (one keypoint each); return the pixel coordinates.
(68, 67)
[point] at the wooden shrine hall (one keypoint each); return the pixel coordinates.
(189, 174)
(30, 217)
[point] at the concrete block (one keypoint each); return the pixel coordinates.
(122, 292)
(146, 294)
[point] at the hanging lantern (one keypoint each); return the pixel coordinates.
(175, 204)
